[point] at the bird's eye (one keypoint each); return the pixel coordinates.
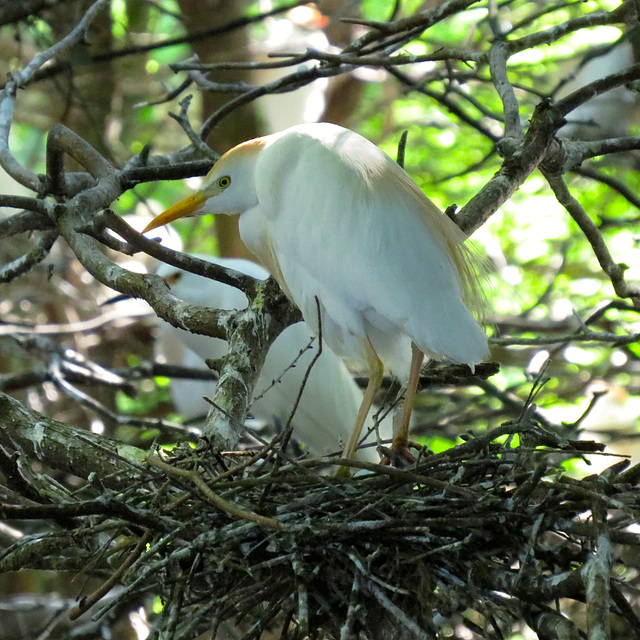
(224, 182)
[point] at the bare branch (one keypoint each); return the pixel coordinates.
(596, 575)
(287, 83)
(498, 64)
(514, 170)
(614, 270)
(233, 278)
(62, 140)
(611, 145)
(597, 87)
(183, 120)
(22, 265)
(163, 168)
(21, 202)
(553, 34)
(23, 222)
(18, 80)
(195, 65)
(409, 27)
(616, 185)
(384, 60)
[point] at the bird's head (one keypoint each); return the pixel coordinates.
(229, 188)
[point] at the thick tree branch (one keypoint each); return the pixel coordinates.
(515, 169)
(68, 448)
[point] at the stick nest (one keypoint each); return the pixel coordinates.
(485, 536)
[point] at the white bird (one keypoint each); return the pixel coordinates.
(299, 30)
(344, 229)
(609, 114)
(330, 400)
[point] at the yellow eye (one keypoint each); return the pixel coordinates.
(224, 182)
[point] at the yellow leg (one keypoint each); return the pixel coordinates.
(376, 371)
(402, 434)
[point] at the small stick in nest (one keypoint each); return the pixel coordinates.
(221, 503)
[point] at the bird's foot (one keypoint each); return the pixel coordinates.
(399, 455)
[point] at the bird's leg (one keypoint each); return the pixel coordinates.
(376, 371)
(401, 436)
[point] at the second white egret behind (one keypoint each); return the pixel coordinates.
(330, 399)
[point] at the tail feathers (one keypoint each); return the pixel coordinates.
(461, 339)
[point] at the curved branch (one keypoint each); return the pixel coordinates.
(616, 185)
(24, 221)
(498, 67)
(552, 34)
(20, 266)
(233, 278)
(63, 140)
(614, 270)
(515, 169)
(287, 83)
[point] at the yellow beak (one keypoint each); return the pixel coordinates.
(185, 207)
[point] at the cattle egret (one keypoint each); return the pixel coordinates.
(609, 114)
(330, 400)
(298, 31)
(348, 235)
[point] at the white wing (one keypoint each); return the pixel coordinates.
(350, 227)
